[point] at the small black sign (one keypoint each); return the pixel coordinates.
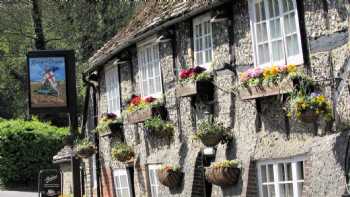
(50, 183)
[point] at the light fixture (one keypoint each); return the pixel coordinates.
(218, 18)
(162, 39)
(118, 62)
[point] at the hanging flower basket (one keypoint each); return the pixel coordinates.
(211, 133)
(122, 153)
(169, 177)
(159, 127)
(309, 116)
(86, 152)
(84, 148)
(223, 173)
(109, 124)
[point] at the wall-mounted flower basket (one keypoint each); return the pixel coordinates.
(202, 88)
(114, 129)
(309, 116)
(224, 173)
(158, 127)
(253, 92)
(211, 133)
(109, 124)
(142, 115)
(123, 153)
(84, 148)
(169, 177)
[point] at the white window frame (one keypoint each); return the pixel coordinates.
(112, 84)
(154, 168)
(276, 182)
(201, 20)
(154, 46)
(117, 173)
(296, 59)
(94, 172)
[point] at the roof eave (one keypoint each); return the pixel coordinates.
(95, 64)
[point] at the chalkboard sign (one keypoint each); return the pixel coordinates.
(50, 183)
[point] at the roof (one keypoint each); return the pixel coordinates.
(153, 16)
(64, 155)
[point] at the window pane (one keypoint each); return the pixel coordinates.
(273, 8)
(116, 179)
(281, 174)
(270, 172)
(263, 174)
(200, 30)
(289, 23)
(151, 177)
(265, 191)
(158, 84)
(300, 170)
(289, 171)
(199, 58)
(261, 32)
(119, 193)
(287, 5)
(275, 28)
(300, 188)
(151, 86)
(286, 190)
(154, 191)
(264, 54)
(145, 88)
(260, 10)
(271, 191)
(277, 50)
(292, 45)
(123, 181)
(125, 192)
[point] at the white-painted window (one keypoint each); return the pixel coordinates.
(150, 72)
(275, 32)
(281, 178)
(203, 44)
(153, 179)
(122, 183)
(112, 89)
(94, 172)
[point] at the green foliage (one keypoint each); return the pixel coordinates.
(226, 164)
(170, 167)
(210, 127)
(122, 152)
(159, 127)
(27, 147)
(83, 144)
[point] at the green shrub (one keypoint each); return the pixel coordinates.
(26, 147)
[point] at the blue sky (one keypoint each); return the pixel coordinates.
(37, 65)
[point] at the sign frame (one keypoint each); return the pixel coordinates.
(69, 61)
(57, 171)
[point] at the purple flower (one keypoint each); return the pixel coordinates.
(254, 73)
(315, 94)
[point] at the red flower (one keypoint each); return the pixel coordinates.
(135, 100)
(149, 99)
(183, 74)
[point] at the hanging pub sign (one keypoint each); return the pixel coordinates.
(50, 183)
(49, 79)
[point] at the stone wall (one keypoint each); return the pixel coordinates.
(260, 127)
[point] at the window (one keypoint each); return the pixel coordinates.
(276, 34)
(112, 88)
(122, 183)
(153, 180)
(150, 73)
(284, 178)
(94, 172)
(203, 45)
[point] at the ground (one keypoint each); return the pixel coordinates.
(17, 194)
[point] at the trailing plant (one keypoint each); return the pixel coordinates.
(159, 127)
(106, 120)
(194, 74)
(122, 152)
(226, 164)
(170, 167)
(137, 103)
(27, 147)
(316, 103)
(83, 144)
(266, 76)
(210, 128)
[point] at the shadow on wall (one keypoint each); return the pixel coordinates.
(339, 149)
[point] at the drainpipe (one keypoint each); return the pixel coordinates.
(93, 84)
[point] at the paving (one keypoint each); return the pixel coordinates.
(17, 194)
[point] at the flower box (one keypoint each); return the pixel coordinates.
(203, 88)
(114, 129)
(169, 178)
(252, 92)
(222, 176)
(144, 114)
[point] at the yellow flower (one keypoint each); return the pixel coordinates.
(321, 99)
(291, 68)
(267, 73)
(274, 70)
